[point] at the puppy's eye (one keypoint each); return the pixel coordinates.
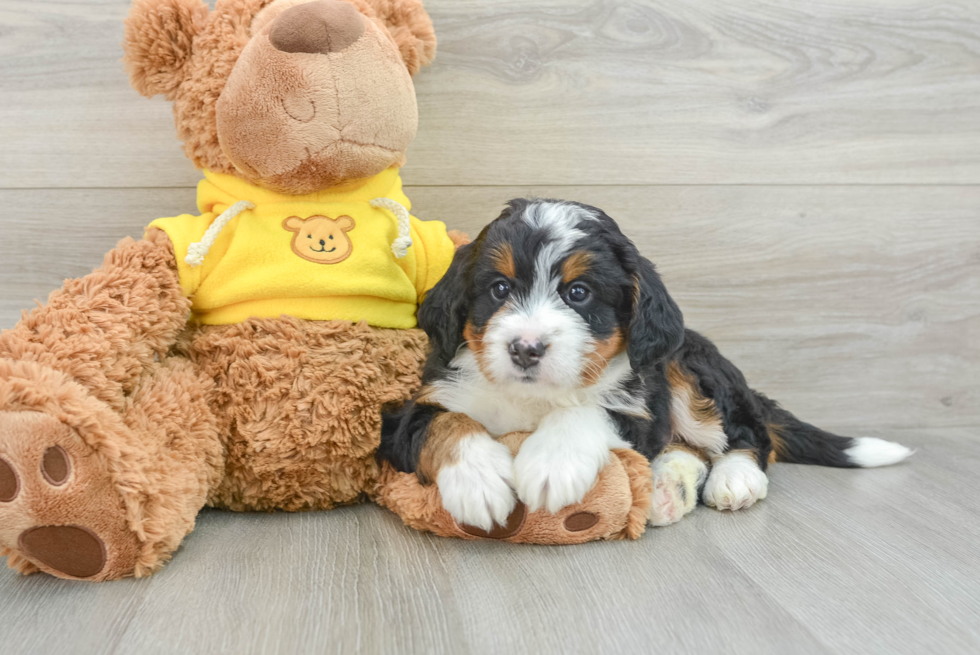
(500, 290)
(578, 293)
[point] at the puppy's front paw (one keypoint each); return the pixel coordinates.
(478, 489)
(735, 482)
(553, 475)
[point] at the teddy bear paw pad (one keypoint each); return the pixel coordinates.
(514, 524)
(70, 549)
(581, 521)
(9, 482)
(58, 506)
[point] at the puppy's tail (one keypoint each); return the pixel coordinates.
(801, 443)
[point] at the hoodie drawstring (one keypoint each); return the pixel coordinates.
(197, 251)
(400, 246)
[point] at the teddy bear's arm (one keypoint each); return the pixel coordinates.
(104, 329)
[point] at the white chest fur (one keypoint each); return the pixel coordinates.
(498, 411)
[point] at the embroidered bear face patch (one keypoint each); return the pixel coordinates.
(321, 239)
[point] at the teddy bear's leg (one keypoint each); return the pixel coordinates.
(101, 453)
(104, 329)
(679, 473)
(89, 493)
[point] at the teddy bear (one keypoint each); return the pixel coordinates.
(237, 357)
(240, 357)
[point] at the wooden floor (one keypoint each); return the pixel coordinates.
(807, 178)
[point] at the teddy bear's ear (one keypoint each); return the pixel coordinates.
(410, 27)
(345, 223)
(158, 41)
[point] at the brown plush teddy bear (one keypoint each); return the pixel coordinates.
(240, 357)
(119, 420)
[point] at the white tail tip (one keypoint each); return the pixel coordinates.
(868, 452)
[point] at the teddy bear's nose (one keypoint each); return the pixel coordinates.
(321, 26)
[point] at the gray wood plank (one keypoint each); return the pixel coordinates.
(858, 308)
(832, 561)
(882, 560)
(566, 92)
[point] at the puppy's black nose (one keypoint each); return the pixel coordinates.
(524, 354)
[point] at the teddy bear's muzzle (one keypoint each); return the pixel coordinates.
(280, 119)
(321, 26)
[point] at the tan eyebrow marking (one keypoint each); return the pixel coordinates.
(576, 265)
(503, 260)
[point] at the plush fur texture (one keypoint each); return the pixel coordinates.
(299, 403)
(119, 420)
(315, 130)
(306, 133)
(105, 329)
(615, 508)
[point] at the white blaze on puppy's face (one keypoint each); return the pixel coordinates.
(547, 321)
(537, 317)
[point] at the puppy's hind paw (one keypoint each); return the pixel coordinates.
(677, 476)
(736, 482)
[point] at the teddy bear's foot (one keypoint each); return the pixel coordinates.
(59, 511)
(677, 476)
(616, 507)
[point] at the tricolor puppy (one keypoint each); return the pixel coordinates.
(551, 322)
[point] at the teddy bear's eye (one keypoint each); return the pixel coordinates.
(309, 236)
(331, 237)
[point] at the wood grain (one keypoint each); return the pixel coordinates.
(807, 178)
(874, 561)
(566, 92)
(857, 307)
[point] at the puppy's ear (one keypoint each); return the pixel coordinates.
(656, 323)
(443, 311)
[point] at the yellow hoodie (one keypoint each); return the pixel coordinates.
(326, 255)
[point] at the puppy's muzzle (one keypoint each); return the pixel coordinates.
(526, 355)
